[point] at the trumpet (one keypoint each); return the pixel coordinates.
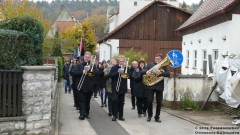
(125, 74)
(91, 73)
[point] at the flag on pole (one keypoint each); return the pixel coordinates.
(81, 47)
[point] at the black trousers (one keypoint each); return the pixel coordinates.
(133, 98)
(117, 104)
(141, 105)
(159, 97)
(84, 103)
(95, 91)
(75, 97)
(109, 95)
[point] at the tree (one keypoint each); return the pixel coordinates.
(98, 23)
(135, 55)
(11, 9)
(184, 5)
(71, 37)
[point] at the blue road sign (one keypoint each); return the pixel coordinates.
(176, 57)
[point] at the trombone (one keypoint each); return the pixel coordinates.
(123, 75)
(89, 73)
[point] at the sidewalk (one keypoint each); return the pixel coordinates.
(170, 124)
(69, 124)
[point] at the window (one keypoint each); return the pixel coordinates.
(204, 62)
(135, 3)
(187, 58)
(215, 56)
(194, 58)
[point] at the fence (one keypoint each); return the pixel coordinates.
(10, 93)
(227, 109)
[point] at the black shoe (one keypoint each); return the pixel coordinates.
(95, 96)
(114, 118)
(65, 91)
(144, 114)
(139, 115)
(122, 119)
(105, 105)
(101, 105)
(82, 117)
(87, 116)
(74, 105)
(149, 119)
(109, 114)
(133, 108)
(77, 108)
(157, 120)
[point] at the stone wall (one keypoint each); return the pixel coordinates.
(38, 103)
(38, 86)
(196, 88)
(12, 126)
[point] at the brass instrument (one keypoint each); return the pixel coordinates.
(90, 73)
(119, 80)
(81, 81)
(125, 74)
(153, 78)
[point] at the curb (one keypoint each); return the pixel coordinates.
(58, 110)
(181, 117)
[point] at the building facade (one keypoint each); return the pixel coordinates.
(206, 38)
(127, 8)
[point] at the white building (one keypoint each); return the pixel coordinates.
(211, 31)
(118, 16)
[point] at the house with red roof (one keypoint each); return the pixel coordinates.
(213, 30)
(64, 20)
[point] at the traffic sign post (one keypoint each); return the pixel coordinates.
(177, 58)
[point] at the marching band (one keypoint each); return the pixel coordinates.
(110, 78)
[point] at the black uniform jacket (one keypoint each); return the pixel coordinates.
(159, 86)
(88, 82)
(114, 75)
(139, 88)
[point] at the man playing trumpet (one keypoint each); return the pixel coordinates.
(118, 75)
(84, 74)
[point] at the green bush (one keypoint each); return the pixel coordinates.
(14, 48)
(60, 68)
(34, 31)
(188, 103)
(135, 55)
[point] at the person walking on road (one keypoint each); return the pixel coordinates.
(66, 78)
(119, 88)
(157, 88)
(86, 89)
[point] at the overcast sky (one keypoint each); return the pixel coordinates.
(189, 2)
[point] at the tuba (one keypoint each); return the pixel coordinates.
(153, 78)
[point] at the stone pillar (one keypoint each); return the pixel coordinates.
(38, 84)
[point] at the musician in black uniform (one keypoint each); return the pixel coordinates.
(133, 97)
(86, 89)
(157, 88)
(118, 93)
(140, 90)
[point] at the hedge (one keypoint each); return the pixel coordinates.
(60, 68)
(27, 36)
(14, 47)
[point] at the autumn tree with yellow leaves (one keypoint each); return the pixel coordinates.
(13, 9)
(72, 36)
